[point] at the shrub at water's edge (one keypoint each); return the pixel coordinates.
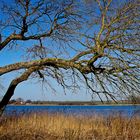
(61, 127)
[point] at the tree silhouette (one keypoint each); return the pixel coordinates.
(95, 43)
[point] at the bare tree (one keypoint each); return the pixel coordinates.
(134, 99)
(95, 43)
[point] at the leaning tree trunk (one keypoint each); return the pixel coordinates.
(10, 92)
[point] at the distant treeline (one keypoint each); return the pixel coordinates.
(21, 101)
(133, 99)
(65, 102)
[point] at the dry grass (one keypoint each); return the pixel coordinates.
(60, 127)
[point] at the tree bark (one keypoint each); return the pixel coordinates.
(10, 92)
(7, 97)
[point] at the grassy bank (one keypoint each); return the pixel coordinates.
(60, 127)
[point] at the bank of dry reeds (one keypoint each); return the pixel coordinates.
(61, 127)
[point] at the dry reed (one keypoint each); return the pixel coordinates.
(45, 126)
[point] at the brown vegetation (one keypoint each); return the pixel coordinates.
(60, 127)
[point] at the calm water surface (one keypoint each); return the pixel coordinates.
(128, 110)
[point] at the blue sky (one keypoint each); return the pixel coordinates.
(30, 89)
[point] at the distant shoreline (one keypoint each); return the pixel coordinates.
(73, 105)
